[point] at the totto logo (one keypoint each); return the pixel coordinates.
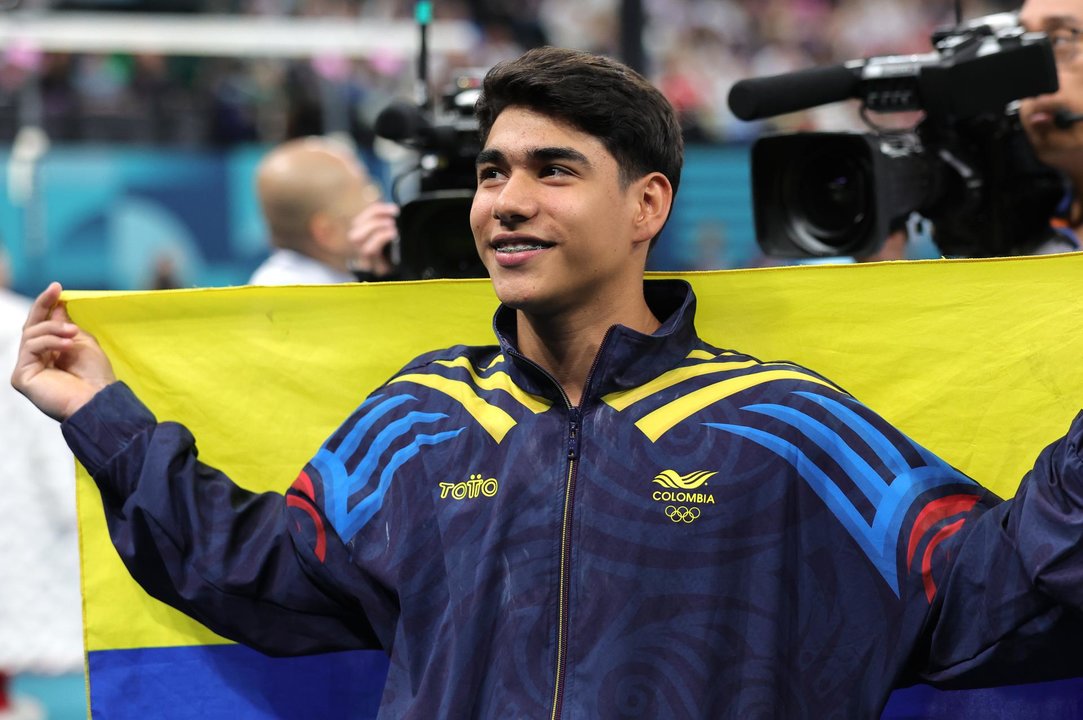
(470, 489)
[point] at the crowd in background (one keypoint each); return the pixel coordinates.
(694, 51)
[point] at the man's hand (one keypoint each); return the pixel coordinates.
(60, 367)
(370, 233)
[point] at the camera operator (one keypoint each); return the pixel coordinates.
(1052, 121)
(324, 216)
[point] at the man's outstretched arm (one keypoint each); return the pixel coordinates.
(187, 533)
(1011, 607)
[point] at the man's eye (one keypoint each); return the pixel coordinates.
(488, 173)
(1064, 35)
(1065, 41)
(555, 171)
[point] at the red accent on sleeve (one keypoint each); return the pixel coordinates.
(321, 533)
(303, 485)
(933, 513)
(927, 558)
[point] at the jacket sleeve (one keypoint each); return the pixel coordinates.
(1011, 607)
(198, 542)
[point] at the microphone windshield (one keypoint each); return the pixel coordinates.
(758, 98)
(401, 122)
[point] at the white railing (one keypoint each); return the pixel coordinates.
(226, 35)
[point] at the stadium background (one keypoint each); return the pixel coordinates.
(129, 129)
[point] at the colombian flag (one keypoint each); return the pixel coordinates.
(979, 360)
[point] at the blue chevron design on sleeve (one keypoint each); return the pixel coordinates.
(892, 500)
(341, 484)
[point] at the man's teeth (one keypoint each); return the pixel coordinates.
(519, 247)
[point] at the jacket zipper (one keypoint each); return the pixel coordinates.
(574, 425)
(565, 557)
(574, 422)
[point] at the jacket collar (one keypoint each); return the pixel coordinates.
(627, 358)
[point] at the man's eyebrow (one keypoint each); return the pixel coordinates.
(547, 154)
(539, 154)
(489, 156)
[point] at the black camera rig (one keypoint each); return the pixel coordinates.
(434, 226)
(967, 165)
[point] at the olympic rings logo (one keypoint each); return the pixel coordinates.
(680, 513)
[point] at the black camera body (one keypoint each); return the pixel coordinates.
(967, 166)
(434, 226)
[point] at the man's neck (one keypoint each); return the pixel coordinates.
(566, 346)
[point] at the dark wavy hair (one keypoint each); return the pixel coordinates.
(596, 95)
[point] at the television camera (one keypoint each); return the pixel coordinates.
(434, 226)
(966, 166)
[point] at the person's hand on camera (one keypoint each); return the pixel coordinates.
(60, 367)
(371, 234)
(894, 248)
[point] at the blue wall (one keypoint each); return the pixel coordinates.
(102, 217)
(711, 226)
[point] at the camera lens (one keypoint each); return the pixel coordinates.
(827, 201)
(427, 248)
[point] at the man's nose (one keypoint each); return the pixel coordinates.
(516, 201)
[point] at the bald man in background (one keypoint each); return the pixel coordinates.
(324, 217)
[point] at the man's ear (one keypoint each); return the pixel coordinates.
(321, 229)
(654, 198)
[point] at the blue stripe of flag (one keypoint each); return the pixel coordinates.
(231, 682)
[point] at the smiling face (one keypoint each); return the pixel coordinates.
(555, 227)
(1061, 148)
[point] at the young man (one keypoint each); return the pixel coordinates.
(602, 515)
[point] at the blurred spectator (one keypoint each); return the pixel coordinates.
(164, 275)
(696, 50)
(40, 603)
(235, 100)
(312, 192)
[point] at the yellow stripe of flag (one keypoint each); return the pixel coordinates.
(943, 349)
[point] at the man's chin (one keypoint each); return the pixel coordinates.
(517, 302)
(525, 302)
(1064, 154)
